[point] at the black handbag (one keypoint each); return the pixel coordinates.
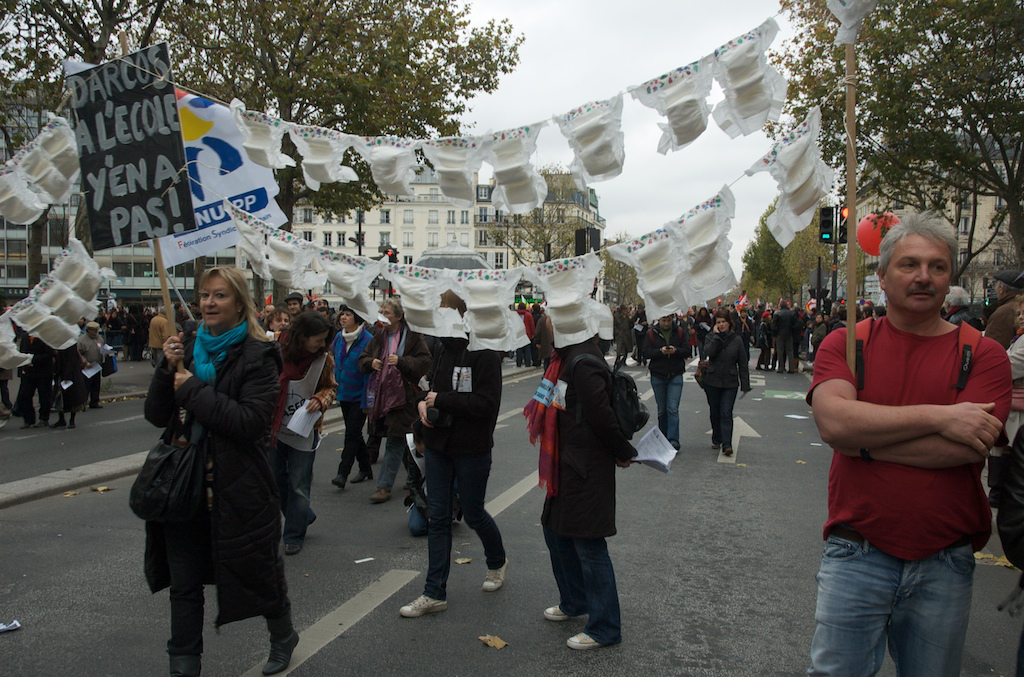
(170, 487)
(108, 367)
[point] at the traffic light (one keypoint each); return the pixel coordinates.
(841, 236)
(392, 254)
(826, 225)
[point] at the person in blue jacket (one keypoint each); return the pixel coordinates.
(348, 345)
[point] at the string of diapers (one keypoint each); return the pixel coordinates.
(276, 254)
(41, 173)
(53, 307)
(567, 285)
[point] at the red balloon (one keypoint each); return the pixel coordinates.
(872, 228)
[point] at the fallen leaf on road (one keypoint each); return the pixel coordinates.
(463, 560)
(496, 642)
(101, 489)
(802, 462)
(992, 559)
(741, 465)
(464, 544)
(69, 494)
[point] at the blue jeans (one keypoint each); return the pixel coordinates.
(293, 470)
(666, 393)
(720, 404)
(586, 584)
(866, 597)
(395, 448)
(471, 473)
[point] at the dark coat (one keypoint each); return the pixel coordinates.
(1010, 518)
(784, 324)
(474, 414)
(69, 368)
(585, 504)
(245, 520)
(413, 364)
(727, 361)
(667, 366)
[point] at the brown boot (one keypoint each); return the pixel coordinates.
(381, 496)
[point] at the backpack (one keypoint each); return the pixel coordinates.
(630, 412)
(967, 344)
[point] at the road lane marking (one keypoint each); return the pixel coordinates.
(497, 505)
(79, 426)
(330, 627)
(740, 429)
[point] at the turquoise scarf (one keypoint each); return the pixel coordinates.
(209, 351)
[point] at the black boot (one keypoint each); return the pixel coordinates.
(283, 639)
(186, 666)
(362, 476)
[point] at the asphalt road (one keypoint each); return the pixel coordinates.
(715, 564)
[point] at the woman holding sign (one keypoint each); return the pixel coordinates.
(307, 388)
(228, 405)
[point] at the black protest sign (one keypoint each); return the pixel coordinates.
(129, 142)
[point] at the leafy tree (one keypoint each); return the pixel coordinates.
(367, 67)
(940, 116)
(549, 231)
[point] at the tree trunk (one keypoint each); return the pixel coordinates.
(82, 231)
(200, 268)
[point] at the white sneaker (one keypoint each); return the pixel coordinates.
(423, 605)
(554, 613)
(582, 642)
(495, 578)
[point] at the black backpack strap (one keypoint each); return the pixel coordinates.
(863, 329)
(967, 340)
(572, 368)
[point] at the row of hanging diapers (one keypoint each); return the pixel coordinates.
(53, 308)
(754, 93)
(41, 173)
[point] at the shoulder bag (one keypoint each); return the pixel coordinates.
(169, 487)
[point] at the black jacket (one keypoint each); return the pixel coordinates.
(667, 366)
(1010, 518)
(473, 414)
(585, 504)
(727, 361)
(43, 357)
(245, 520)
(785, 323)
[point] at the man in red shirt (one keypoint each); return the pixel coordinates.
(906, 508)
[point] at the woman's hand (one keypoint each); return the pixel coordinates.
(313, 405)
(174, 351)
(181, 376)
(376, 364)
(429, 398)
(421, 406)
(393, 360)
(623, 464)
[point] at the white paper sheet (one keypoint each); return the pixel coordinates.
(64, 385)
(655, 450)
(302, 421)
(89, 372)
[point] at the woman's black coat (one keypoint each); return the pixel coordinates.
(245, 519)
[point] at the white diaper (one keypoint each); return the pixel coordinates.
(754, 90)
(392, 161)
(518, 187)
(456, 161)
(262, 136)
(323, 154)
(594, 131)
(681, 96)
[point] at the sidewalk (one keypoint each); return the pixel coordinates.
(132, 381)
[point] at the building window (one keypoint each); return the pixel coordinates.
(344, 218)
(307, 235)
(16, 248)
(432, 216)
(407, 216)
(407, 239)
(997, 258)
(498, 216)
(963, 257)
(1000, 202)
(481, 238)
(560, 216)
(499, 259)
(406, 259)
(464, 239)
(483, 193)
(385, 216)
(328, 239)
(307, 215)
(451, 217)
(341, 238)
(965, 225)
(385, 239)
(464, 216)
(142, 268)
(482, 215)
(431, 239)
(435, 195)
(122, 268)
(16, 272)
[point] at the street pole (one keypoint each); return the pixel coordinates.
(359, 232)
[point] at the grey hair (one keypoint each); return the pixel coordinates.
(957, 296)
(929, 225)
(395, 305)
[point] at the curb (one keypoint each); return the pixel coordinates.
(55, 483)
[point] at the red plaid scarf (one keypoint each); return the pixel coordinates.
(542, 424)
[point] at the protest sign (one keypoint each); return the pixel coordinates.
(128, 133)
(219, 169)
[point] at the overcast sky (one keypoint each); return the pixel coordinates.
(583, 50)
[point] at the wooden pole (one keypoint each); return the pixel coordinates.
(851, 205)
(158, 259)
